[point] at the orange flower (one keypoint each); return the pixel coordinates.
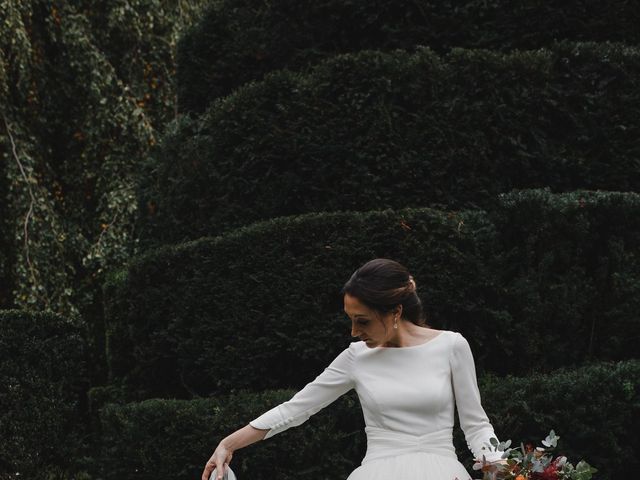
(520, 477)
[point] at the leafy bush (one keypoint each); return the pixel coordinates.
(43, 409)
(168, 439)
(569, 274)
(559, 270)
(185, 320)
(238, 41)
(388, 130)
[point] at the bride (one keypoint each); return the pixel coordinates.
(409, 379)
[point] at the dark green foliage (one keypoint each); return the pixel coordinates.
(386, 130)
(43, 372)
(593, 408)
(84, 88)
(543, 281)
(6, 242)
(259, 308)
(168, 439)
(238, 41)
(590, 409)
(568, 267)
(138, 38)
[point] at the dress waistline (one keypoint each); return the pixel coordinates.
(385, 443)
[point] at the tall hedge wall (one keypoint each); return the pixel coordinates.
(237, 41)
(267, 294)
(543, 281)
(590, 408)
(374, 130)
(43, 408)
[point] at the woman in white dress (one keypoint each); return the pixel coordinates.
(409, 379)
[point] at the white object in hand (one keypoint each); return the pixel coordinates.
(228, 475)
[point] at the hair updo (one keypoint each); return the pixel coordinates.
(382, 284)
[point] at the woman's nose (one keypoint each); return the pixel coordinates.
(353, 331)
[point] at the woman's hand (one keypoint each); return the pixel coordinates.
(220, 458)
(224, 451)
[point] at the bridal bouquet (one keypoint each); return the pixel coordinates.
(527, 463)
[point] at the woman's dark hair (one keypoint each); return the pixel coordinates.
(382, 284)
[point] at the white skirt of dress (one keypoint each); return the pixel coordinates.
(411, 466)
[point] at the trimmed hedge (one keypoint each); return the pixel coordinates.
(238, 41)
(385, 130)
(568, 272)
(543, 281)
(187, 320)
(43, 409)
(168, 439)
(589, 408)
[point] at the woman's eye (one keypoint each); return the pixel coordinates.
(363, 322)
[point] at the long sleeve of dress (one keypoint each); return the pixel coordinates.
(473, 419)
(334, 381)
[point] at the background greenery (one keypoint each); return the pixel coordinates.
(236, 41)
(563, 266)
(45, 376)
(372, 129)
(188, 181)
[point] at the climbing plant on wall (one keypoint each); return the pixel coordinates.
(85, 88)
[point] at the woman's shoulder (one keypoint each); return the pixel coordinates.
(357, 346)
(451, 334)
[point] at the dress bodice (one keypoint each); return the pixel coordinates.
(408, 397)
(406, 389)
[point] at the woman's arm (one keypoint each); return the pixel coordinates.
(333, 382)
(224, 451)
(473, 419)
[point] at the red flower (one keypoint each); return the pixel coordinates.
(549, 473)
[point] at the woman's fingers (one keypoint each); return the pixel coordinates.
(208, 468)
(218, 461)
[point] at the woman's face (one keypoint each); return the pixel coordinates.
(366, 323)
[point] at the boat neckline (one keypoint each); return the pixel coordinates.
(414, 346)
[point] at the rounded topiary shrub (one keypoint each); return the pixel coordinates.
(259, 307)
(542, 281)
(386, 130)
(237, 41)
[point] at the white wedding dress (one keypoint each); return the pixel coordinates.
(407, 396)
